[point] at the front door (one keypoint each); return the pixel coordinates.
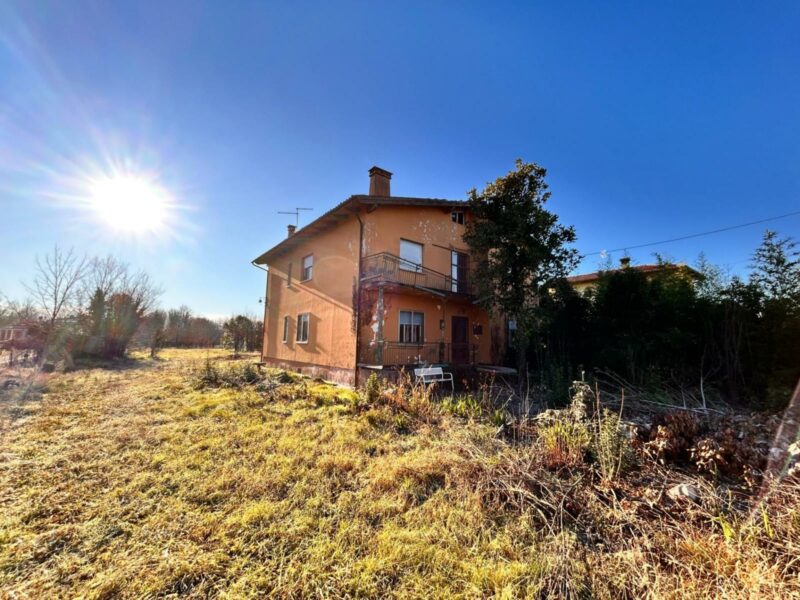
(459, 340)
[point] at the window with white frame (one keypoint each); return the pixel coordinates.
(410, 255)
(286, 329)
(457, 216)
(512, 332)
(412, 327)
(308, 267)
(302, 328)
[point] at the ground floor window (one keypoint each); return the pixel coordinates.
(412, 327)
(302, 327)
(285, 329)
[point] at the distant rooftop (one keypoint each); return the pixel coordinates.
(625, 264)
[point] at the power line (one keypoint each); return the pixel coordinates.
(695, 235)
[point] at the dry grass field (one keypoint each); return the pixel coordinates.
(185, 478)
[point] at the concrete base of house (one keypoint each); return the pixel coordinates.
(465, 376)
(340, 375)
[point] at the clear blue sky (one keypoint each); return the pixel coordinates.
(653, 120)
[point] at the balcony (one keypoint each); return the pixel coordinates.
(399, 354)
(388, 268)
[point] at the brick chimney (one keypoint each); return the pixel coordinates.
(625, 262)
(291, 229)
(379, 182)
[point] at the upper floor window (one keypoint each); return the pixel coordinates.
(285, 329)
(308, 267)
(457, 216)
(302, 328)
(411, 255)
(459, 271)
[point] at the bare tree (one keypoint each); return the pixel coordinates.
(111, 276)
(120, 301)
(178, 323)
(104, 274)
(143, 292)
(153, 330)
(56, 285)
(6, 311)
(21, 312)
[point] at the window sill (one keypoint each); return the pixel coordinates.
(299, 342)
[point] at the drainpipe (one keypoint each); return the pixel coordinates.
(266, 304)
(358, 295)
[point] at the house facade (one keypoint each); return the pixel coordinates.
(588, 281)
(18, 338)
(11, 333)
(377, 282)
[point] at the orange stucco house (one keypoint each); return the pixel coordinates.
(375, 283)
(589, 281)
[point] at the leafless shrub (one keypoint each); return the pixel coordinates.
(672, 436)
(55, 287)
(412, 397)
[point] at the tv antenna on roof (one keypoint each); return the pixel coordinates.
(295, 212)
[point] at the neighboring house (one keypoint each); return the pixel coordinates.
(16, 333)
(582, 283)
(376, 282)
(17, 338)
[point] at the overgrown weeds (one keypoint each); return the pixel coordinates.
(611, 446)
(213, 374)
(564, 441)
(140, 484)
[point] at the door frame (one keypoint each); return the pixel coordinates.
(459, 349)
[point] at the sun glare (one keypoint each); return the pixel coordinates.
(130, 204)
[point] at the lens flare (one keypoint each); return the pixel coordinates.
(130, 204)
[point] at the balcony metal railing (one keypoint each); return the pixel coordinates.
(388, 268)
(399, 353)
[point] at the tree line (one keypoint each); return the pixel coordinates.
(100, 306)
(736, 337)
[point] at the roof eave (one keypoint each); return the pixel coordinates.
(350, 205)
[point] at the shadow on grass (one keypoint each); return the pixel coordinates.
(20, 388)
(125, 363)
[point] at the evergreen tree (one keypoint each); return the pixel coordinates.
(776, 269)
(237, 331)
(520, 249)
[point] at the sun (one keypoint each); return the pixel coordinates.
(130, 204)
